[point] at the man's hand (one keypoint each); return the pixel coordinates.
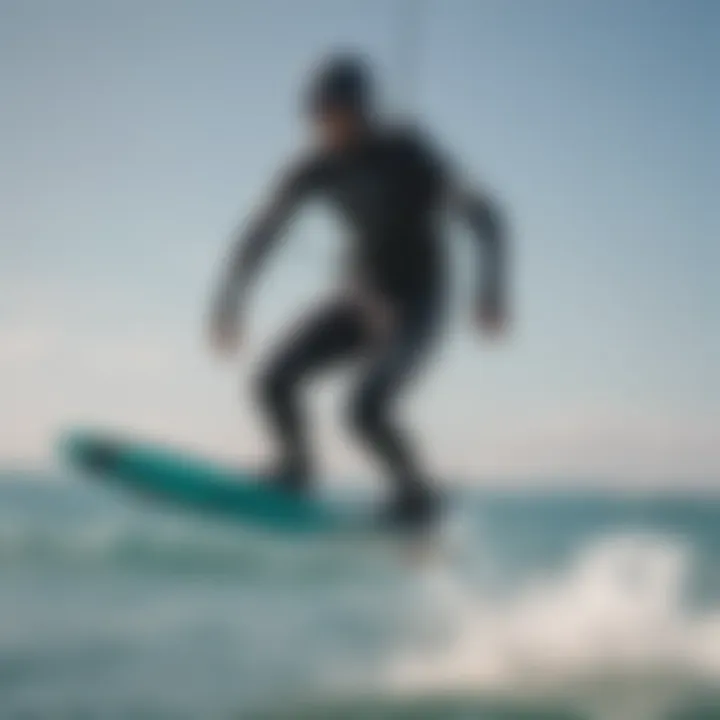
(225, 332)
(491, 317)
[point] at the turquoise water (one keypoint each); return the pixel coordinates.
(531, 605)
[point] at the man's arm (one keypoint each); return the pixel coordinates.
(251, 247)
(483, 216)
(255, 241)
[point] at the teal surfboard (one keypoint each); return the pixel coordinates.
(179, 478)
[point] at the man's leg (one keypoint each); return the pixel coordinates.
(333, 333)
(391, 366)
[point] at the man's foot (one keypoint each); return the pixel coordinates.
(414, 511)
(289, 477)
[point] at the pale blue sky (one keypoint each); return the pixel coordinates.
(134, 135)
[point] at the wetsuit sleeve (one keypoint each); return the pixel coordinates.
(483, 216)
(268, 224)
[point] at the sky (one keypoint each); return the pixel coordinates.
(135, 136)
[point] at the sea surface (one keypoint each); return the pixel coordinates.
(547, 604)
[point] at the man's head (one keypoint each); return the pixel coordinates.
(340, 100)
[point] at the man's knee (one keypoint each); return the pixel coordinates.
(273, 385)
(366, 415)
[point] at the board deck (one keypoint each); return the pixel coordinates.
(201, 485)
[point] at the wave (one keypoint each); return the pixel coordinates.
(165, 543)
(614, 629)
(613, 623)
(129, 544)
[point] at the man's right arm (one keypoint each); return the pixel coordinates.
(253, 244)
(255, 241)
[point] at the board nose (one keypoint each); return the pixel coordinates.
(91, 451)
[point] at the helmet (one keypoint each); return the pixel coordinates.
(342, 82)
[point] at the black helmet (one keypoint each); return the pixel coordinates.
(343, 82)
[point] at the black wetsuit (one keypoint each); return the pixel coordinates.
(390, 188)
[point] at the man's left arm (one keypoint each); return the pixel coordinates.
(487, 224)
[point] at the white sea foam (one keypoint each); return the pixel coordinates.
(619, 610)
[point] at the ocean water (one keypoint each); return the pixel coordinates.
(531, 604)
